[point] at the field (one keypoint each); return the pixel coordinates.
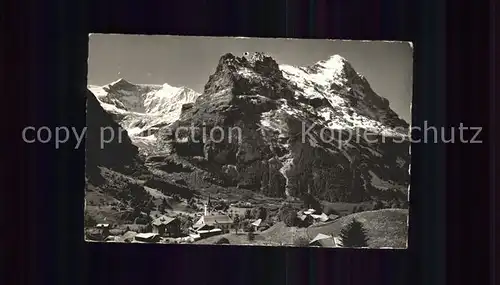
(385, 228)
(346, 208)
(276, 235)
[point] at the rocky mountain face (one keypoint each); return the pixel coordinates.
(277, 130)
(284, 131)
(118, 153)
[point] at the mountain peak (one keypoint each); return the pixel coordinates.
(337, 57)
(168, 90)
(248, 60)
(336, 68)
(120, 83)
(256, 56)
(336, 61)
(336, 64)
(243, 72)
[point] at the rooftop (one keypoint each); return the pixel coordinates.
(325, 240)
(320, 237)
(309, 211)
(146, 235)
(323, 217)
(163, 220)
(209, 231)
(333, 217)
(257, 223)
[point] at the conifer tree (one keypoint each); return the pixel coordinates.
(290, 219)
(354, 235)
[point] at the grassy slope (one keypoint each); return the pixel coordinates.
(386, 228)
(281, 233)
(276, 235)
(237, 239)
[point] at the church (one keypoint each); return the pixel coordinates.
(211, 220)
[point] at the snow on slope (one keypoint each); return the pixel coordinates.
(169, 100)
(315, 84)
(141, 108)
(327, 80)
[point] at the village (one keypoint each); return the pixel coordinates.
(213, 224)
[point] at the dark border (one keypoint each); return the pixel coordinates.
(494, 141)
(468, 99)
(51, 70)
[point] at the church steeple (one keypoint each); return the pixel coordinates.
(207, 206)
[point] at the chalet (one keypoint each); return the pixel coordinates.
(320, 218)
(202, 231)
(261, 226)
(200, 227)
(147, 237)
(195, 237)
(309, 212)
(257, 224)
(93, 234)
(209, 233)
(309, 216)
(103, 229)
(333, 217)
(166, 226)
(323, 240)
(305, 220)
(110, 239)
(128, 236)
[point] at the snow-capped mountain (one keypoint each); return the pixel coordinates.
(274, 105)
(142, 108)
(347, 98)
(318, 129)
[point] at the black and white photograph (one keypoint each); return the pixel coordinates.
(248, 141)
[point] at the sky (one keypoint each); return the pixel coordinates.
(189, 61)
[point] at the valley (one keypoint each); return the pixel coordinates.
(267, 187)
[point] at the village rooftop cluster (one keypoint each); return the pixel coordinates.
(167, 230)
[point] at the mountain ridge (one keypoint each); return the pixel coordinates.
(142, 108)
(253, 91)
(271, 103)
